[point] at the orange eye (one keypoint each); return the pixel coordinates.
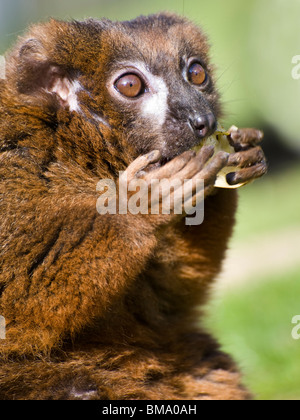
(196, 74)
(129, 85)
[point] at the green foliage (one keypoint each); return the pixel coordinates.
(254, 325)
(253, 322)
(268, 205)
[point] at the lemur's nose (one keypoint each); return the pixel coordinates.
(203, 125)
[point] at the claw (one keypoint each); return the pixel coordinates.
(244, 153)
(246, 158)
(246, 136)
(247, 174)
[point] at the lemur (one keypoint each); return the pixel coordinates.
(108, 306)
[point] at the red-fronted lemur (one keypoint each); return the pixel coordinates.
(107, 306)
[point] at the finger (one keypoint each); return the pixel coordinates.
(208, 190)
(210, 171)
(246, 158)
(199, 196)
(205, 154)
(195, 164)
(248, 174)
(172, 167)
(246, 136)
(142, 162)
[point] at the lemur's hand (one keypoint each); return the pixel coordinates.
(187, 166)
(249, 157)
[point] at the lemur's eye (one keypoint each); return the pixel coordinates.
(197, 74)
(129, 85)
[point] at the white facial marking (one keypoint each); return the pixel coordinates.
(155, 105)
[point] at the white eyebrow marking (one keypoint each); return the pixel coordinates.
(154, 105)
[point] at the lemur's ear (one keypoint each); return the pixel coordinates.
(37, 74)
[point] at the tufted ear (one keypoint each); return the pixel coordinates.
(36, 74)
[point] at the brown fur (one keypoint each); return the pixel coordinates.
(99, 307)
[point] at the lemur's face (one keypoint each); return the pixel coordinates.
(147, 81)
(161, 83)
(173, 105)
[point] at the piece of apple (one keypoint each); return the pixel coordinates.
(221, 143)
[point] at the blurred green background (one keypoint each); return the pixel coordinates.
(253, 45)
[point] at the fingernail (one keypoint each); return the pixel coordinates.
(226, 155)
(154, 155)
(230, 178)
